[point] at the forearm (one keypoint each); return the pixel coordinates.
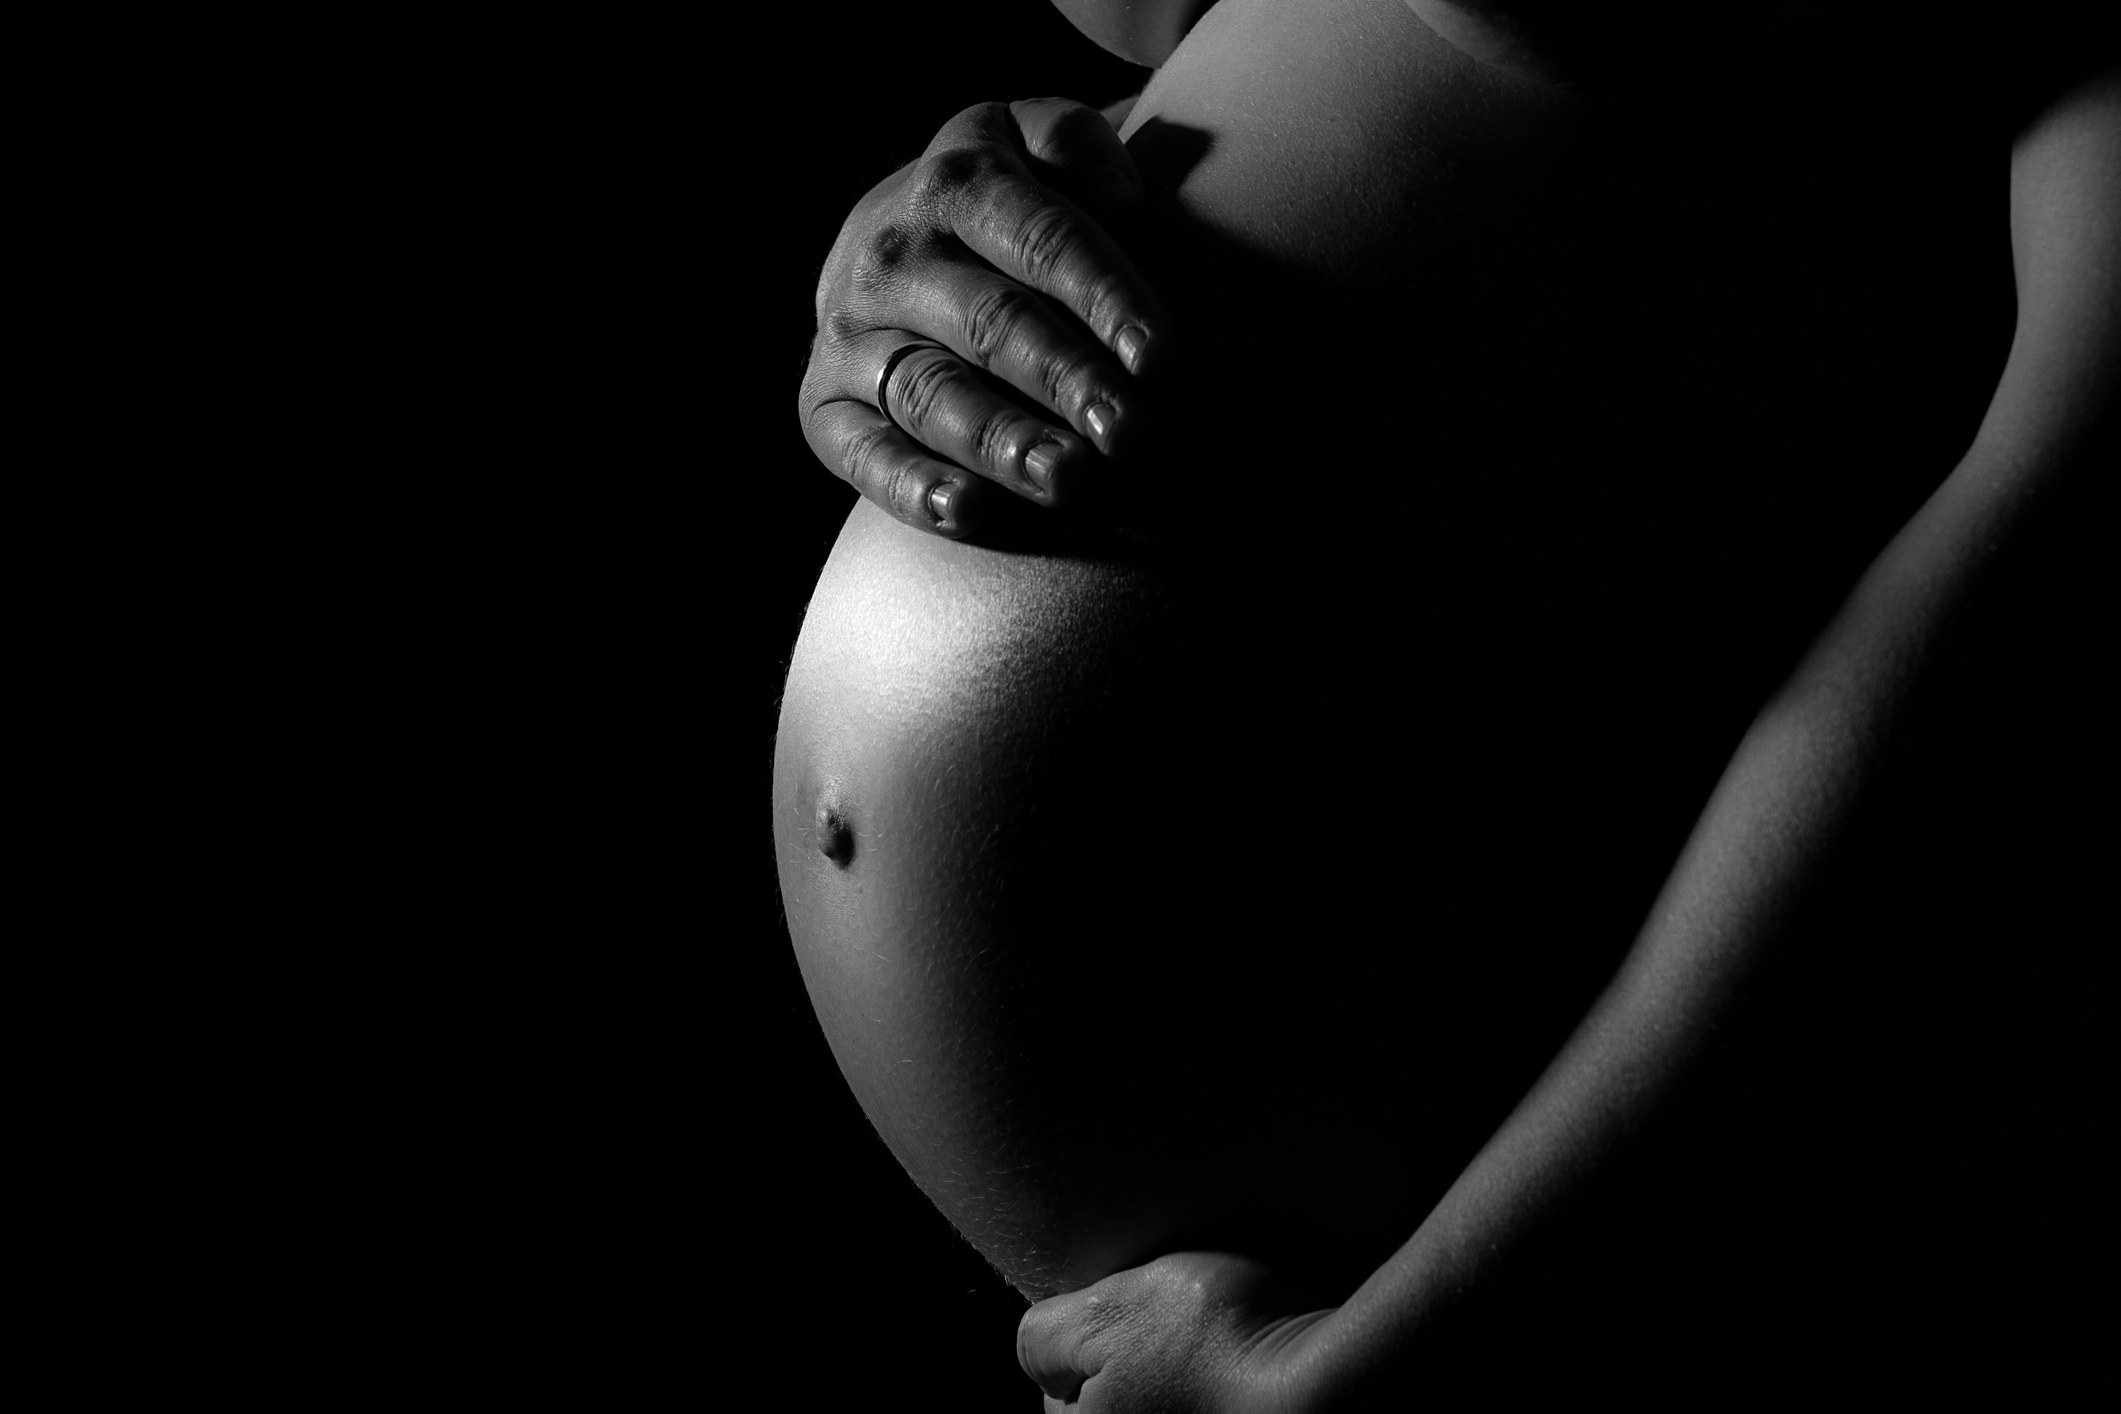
(1822, 763)
(1728, 906)
(1116, 113)
(1832, 756)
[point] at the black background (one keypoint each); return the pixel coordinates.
(462, 1053)
(575, 1123)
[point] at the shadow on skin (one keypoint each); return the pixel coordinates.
(1277, 376)
(1126, 517)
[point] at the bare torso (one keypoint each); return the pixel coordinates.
(1529, 440)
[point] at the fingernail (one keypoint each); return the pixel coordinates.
(940, 499)
(1099, 416)
(1039, 463)
(1129, 343)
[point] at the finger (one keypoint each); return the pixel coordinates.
(957, 414)
(987, 195)
(890, 468)
(1074, 150)
(1049, 244)
(998, 326)
(942, 403)
(1051, 1342)
(939, 290)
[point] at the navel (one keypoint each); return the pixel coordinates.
(835, 833)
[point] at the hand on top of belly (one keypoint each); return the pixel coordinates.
(991, 247)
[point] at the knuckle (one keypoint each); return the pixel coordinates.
(842, 326)
(864, 458)
(924, 385)
(991, 319)
(888, 478)
(1043, 241)
(993, 436)
(904, 492)
(889, 246)
(1103, 304)
(946, 176)
(882, 255)
(1067, 379)
(981, 120)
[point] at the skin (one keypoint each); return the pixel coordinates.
(985, 247)
(1204, 1330)
(1140, 31)
(939, 685)
(1210, 1330)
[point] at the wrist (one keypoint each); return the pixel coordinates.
(1347, 1363)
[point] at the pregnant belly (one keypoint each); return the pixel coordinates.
(1129, 931)
(1228, 897)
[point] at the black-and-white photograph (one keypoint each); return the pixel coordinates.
(1427, 706)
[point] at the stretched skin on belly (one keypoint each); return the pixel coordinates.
(1227, 898)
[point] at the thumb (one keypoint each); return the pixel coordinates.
(1053, 1344)
(1073, 149)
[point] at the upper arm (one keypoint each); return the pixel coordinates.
(2059, 385)
(2050, 420)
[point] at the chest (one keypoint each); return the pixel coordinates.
(1139, 31)
(1770, 321)
(1603, 404)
